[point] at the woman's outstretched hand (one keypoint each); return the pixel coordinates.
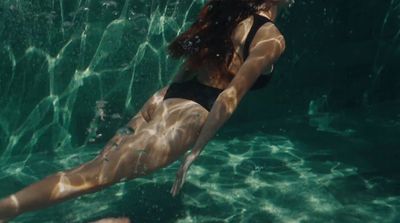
(182, 172)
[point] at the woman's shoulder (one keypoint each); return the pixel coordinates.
(269, 29)
(267, 33)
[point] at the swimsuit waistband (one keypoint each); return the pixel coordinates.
(194, 91)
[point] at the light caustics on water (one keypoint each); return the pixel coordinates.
(71, 69)
(139, 38)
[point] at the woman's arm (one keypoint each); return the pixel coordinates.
(267, 48)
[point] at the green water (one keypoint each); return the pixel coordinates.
(320, 144)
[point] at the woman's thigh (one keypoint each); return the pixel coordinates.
(174, 127)
(145, 114)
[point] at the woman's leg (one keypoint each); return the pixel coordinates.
(172, 129)
(114, 220)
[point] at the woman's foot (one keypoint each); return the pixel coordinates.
(112, 220)
(3, 221)
(7, 209)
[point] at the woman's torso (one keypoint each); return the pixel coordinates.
(211, 76)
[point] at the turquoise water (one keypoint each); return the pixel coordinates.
(319, 145)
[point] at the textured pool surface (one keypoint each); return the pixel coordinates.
(320, 144)
(297, 174)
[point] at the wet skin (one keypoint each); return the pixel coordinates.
(163, 131)
(160, 133)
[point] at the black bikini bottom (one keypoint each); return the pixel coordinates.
(195, 91)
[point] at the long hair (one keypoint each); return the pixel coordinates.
(208, 40)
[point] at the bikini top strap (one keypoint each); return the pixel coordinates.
(258, 22)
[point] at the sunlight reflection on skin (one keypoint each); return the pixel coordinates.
(231, 99)
(144, 146)
(173, 128)
(113, 220)
(278, 46)
(15, 202)
(161, 132)
(64, 186)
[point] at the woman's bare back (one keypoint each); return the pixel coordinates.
(212, 77)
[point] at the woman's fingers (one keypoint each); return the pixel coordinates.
(178, 182)
(181, 174)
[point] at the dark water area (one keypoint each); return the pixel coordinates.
(319, 144)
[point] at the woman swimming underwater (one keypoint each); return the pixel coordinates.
(229, 50)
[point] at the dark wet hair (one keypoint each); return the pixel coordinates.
(208, 40)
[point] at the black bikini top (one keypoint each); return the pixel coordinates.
(259, 21)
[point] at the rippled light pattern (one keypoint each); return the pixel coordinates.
(325, 149)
